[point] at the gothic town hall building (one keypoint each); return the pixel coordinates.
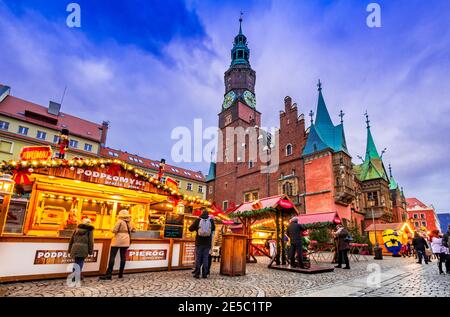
(314, 166)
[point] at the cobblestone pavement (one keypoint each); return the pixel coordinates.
(402, 277)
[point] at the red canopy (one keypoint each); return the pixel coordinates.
(267, 202)
(332, 217)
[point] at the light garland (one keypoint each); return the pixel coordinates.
(29, 166)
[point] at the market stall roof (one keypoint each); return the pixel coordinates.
(393, 226)
(265, 204)
(322, 217)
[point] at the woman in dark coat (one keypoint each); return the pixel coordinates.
(81, 244)
(343, 246)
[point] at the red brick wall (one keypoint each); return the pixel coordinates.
(319, 178)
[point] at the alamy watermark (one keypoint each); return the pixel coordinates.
(74, 18)
(254, 146)
(374, 18)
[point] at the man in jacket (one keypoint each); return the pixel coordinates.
(294, 232)
(420, 245)
(343, 246)
(204, 226)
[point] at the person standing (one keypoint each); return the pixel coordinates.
(420, 245)
(446, 244)
(438, 249)
(294, 232)
(343, 246)
(120, 243)
(81, 244)
(204, 226)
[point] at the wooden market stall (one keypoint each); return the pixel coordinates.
(50, 197)
(270, 212)
(390, 236)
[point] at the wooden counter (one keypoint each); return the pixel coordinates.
(33, 258)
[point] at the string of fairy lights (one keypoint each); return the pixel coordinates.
(30, 166)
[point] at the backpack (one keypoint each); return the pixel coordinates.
(348, 238)
(204, 228)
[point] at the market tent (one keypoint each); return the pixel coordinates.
(386, 226)
(403, 228)
(277, 207)
(319, 219)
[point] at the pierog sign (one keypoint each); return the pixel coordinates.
(102, 177)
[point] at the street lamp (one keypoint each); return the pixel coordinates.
(376, 250)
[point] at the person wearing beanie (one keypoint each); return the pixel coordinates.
(120, 243)
(81, 244)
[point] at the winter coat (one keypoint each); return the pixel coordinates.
(342, 243)
(122, 231)
(82, 242)
(199, 240)
(294, 232)
(436, 245)
(419, 243)
(446, 240)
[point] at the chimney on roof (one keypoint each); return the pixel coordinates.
(54, 108)
(4, 92)
(104, 128)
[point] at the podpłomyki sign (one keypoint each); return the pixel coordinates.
(59, 257)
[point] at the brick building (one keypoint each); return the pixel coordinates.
(252, 163)
(315, 166)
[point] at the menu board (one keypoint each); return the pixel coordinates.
(174, 219)
(173, 231)
(188, 253)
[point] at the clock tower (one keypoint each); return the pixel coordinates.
(239, 98)
(240, 78)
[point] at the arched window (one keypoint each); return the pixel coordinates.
(288, 149)
(287, 188)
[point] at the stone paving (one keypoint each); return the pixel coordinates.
(401, 277)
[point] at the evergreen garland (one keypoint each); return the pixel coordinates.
(256, 214)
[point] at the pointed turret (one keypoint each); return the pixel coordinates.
(240, 53)
(323, 133)
(372, 167)
(212, 172)
(392, 183)
(371, 149)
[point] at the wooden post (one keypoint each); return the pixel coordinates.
(278, 233)
(169, 265)
(283, 248)
(4, 212)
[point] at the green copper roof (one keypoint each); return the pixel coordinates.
(323, 133)
(392, 183)
(371, 149)
(373, 167)
(212, 172)
(240, 53)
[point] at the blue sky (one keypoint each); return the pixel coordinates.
(150, 66)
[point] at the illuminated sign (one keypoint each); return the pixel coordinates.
(30, 153)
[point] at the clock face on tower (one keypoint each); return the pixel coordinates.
(249, 98)
(229, 99)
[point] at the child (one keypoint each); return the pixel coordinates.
(81, 244)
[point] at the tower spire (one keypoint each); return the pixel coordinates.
(341, 115)
(240, 23)
(311, 114)
(371, 149)
(390, 170)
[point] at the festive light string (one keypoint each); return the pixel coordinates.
(72, 163)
